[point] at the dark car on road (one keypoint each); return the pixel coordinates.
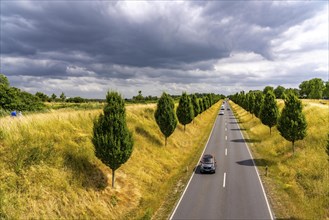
(208, 164)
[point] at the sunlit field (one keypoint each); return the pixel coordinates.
(49, 171)
(298, 185)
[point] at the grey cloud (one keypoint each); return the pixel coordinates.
(65, 39)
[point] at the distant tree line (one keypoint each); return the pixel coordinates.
(314, 88)
(12, 98)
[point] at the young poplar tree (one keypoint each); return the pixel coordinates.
(269, 112)
(292, 123)
(165, 115)
(112, 140)
(258, 103)
(201, 105)
(196, 106)
(185, 113)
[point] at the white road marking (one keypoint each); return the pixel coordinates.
(224, 180)
(225, 137)
(225, 129)
(225, 151)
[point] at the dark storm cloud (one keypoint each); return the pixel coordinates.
(162, 42)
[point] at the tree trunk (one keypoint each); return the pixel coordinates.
(113, 178)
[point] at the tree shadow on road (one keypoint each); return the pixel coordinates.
(238, 129)
(247, 140)
(258, 162)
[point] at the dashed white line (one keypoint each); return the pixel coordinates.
(224, 180)
(226, 137)
(225, 151)
(225, 129)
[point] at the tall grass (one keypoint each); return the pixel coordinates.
(298, 185)
(49, 171)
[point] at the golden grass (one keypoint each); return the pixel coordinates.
(297, 184)
(49, 171)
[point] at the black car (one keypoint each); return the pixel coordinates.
(208, 164)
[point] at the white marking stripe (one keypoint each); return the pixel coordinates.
(224, 180)
(226, 152)
(225, 137)
(225, 129)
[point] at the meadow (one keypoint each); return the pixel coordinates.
(49, 170)
(297, 184)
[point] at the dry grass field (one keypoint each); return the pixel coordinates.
(298, 185)
(49, 170)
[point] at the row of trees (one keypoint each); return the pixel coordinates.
(188, 108)
(291, 123)
(113, 141)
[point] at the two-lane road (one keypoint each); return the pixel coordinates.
(235, 190)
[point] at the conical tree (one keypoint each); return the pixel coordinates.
(165, 115)
(195, 104)
(259, 99)
(112, 140)
(292, 123)
(269, 113)
(201, 105)
(184, 111)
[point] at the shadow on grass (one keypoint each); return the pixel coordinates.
(247, 140)
(258, 162)
(90, 175)
(141, 131)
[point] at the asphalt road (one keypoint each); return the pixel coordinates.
(235, 190)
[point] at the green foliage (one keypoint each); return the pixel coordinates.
(279, 91)
(326, 90)
(43, 97)
(112, 140)
(62, 97)
(312, 89)
(201, 106)
(12, 98)
(292, 124)
(259, 99)
(268, 88)
(4, 80)
(196, 106)
(185, 113)
(165, 115)
(269, 112)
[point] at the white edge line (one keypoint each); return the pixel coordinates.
(224, 180)
(260, 181)
(173, 213)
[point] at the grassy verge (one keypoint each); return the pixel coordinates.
(297, 185)
(48, 168)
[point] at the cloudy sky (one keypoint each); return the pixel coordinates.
(85, 48)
